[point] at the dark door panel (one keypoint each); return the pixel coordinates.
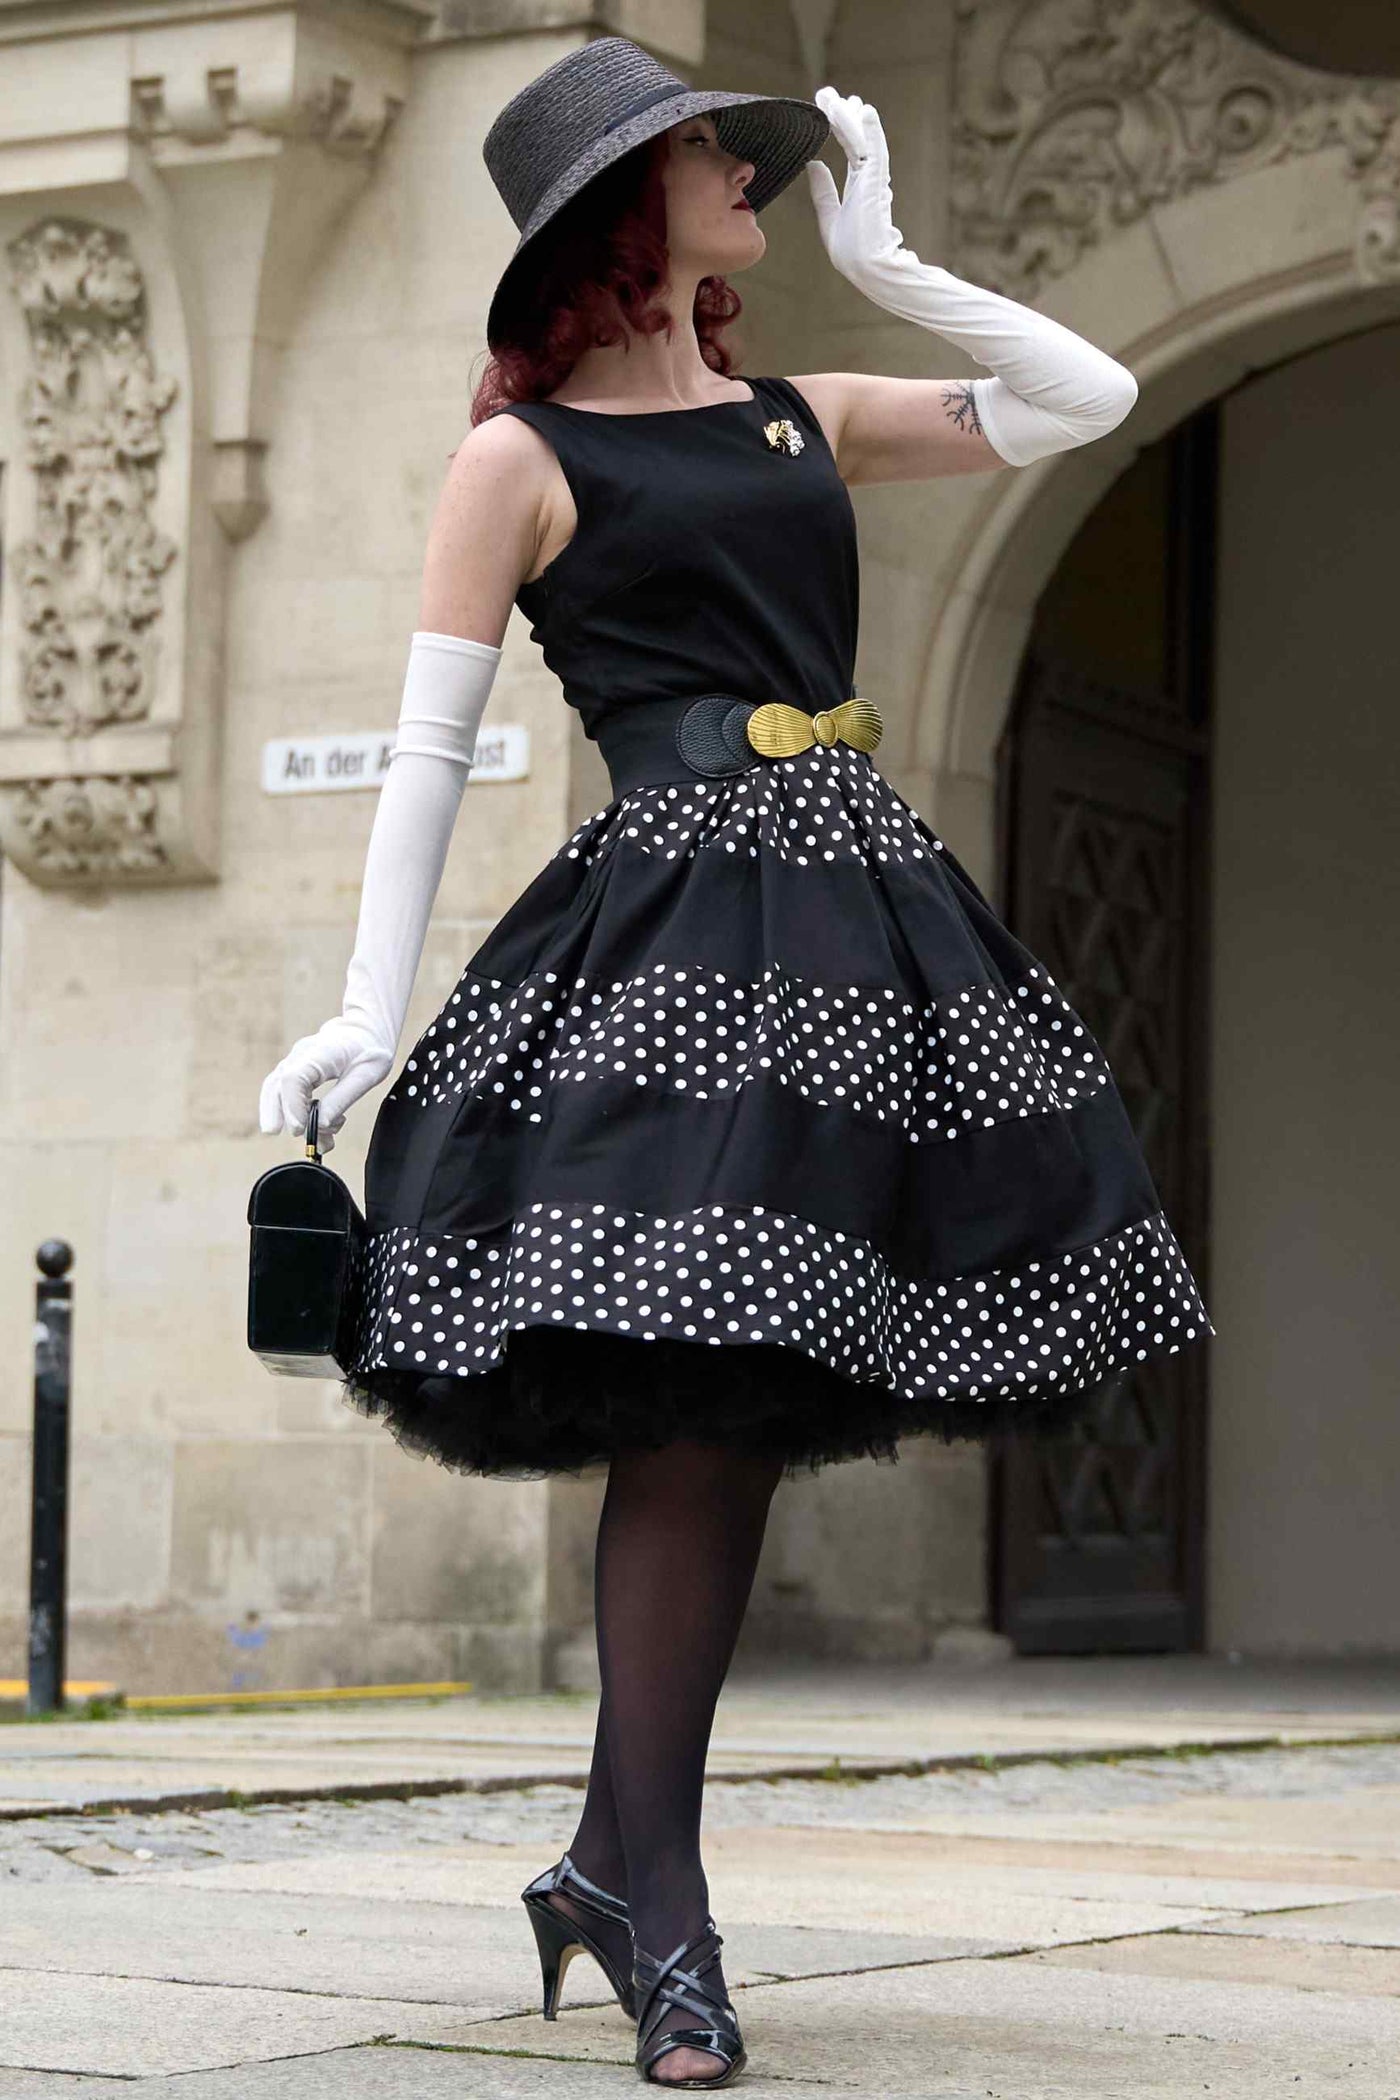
(1097, 1533)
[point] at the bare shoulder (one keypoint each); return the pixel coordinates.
(826, 395)
(502, 446)
(820, 388)
(823, 393)
(486, 528)
(506, 471)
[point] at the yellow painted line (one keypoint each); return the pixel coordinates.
(73, 1688)
(329, 1695)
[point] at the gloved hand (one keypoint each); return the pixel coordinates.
(445, 691)
(339, 1050)
(1052, 389)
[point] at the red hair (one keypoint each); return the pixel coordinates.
(596, 270)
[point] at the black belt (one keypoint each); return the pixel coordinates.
(711, 736)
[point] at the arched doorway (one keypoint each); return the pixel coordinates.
(1293, 1515)
(1104, 785)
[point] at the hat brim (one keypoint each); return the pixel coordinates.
(778, 133)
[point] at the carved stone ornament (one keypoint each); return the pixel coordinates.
(91, 830)
(89, 579)
(1073, 117)
(139, 382)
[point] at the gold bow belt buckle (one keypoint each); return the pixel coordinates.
(720, 734)
(779, 731)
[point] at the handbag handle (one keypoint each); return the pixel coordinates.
(313, 1132)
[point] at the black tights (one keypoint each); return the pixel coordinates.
(678, 1543)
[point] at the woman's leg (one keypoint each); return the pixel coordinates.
(596, 1850)
(678, 1544)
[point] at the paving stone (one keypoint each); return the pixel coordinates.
(756, 1953)
(1024, 2030)
(57, 2085)
(131, 2028)
(1243, 1957)
(388, 2073)
(449, 1875)
(480, 1961)
(837, 1880)
(1097, 1875)
(1241, 1872)
(1375, 1923)
(884, 1882)
(102, 1858)
(1361, 1825)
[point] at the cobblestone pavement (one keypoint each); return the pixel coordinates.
(777, 1718)
(58, 1847)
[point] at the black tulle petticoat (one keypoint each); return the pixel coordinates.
(560, 1401)
(750, 1122)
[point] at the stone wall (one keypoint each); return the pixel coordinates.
(228, 1525)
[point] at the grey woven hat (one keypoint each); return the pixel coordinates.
(588, 109)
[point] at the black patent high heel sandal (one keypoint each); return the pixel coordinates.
(661, 1985)
(559, 1937)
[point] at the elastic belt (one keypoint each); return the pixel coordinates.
(712, 736)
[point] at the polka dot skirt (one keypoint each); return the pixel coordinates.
(447, 1303)
(675, 962)
(967, 1062)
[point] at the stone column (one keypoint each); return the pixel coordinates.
(167, 179)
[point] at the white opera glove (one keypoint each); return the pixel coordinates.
(1052, 389)
(445, 691)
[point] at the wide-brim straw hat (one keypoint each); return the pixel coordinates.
(592, 106)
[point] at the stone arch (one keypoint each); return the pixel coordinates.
(983, 624)
(1200, 206)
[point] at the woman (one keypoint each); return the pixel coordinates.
(750, 1140)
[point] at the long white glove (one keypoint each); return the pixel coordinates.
(445, 690)
(1052, 389)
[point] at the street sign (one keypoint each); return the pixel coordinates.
(320, 765)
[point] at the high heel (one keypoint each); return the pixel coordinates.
(661, 1985)
(559, 1937)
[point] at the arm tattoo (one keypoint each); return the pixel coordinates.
(961, 404)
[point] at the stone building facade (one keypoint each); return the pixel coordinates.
(245, 257)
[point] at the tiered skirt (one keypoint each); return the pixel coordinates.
(750, 1122)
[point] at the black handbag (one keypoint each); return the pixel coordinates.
(306, 1261)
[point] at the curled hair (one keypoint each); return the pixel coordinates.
(596, 271)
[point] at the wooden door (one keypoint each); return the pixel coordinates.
(1097, 1534)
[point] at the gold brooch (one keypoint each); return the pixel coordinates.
(779, 731)
(784, 436)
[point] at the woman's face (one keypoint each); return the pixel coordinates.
(709, 226)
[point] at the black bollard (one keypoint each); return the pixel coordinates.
(48, 1537)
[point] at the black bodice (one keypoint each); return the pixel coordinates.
(704, 557)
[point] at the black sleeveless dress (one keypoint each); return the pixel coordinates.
(749, 1121)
